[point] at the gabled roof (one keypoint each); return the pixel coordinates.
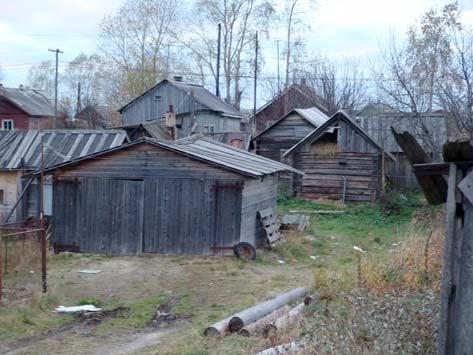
(22, 149)
(33, 102)
(303, 90)
(206, 150)
(312, 115)
(321, 130)
(201, 95)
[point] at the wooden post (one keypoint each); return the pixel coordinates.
(1, 277)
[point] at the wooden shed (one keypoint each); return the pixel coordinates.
(340, 161)
(193, 195)
(287, 131)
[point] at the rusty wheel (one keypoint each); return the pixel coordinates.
(245, 250)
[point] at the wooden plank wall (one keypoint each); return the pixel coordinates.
(283, 136)
(325, 175)
(171, 203)
(257, 195)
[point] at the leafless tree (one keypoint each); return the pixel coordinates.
(335, 85)
(41, 77)
(455, 93)
(239, 20)
(408, 78)
(294, 13)
(135, 42)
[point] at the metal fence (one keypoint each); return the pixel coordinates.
(22, 258)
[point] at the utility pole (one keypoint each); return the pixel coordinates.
(79, 104)
(57, 51)
(217, 79)
(279, 78)
(256, 78)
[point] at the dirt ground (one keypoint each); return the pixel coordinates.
(200, 289)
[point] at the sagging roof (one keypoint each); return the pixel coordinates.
(312, 115)
(206, 150)
(201, 95)
(31, 101)
(22, 149)
(153, 128)
(321, 130)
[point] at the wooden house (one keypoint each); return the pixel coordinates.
(294, 96)
(288, 130)
(377, 120)
(193, 195)
(23, 108)
(20, 154)
(194, 107)
(339, 160)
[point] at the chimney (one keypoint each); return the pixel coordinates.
(22, 87)
(1, 85)
(178, 78)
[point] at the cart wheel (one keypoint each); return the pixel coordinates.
(245, 250)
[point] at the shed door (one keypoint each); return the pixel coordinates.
(112, 216)
(227, 215)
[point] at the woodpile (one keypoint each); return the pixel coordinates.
(264, 318)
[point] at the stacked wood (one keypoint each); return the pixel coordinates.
(250, 315)
(271, 225)
(284, 321)
(219, 328)
(257, 328)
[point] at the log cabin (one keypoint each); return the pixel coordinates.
(340, 161)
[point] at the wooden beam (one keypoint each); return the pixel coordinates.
(434, 186)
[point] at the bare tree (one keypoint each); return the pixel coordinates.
(41, 77)
(335, 85)
(410, 72)
(455, 93)
(293, 15)
(134, 42)
(239, 19)
(1, 74)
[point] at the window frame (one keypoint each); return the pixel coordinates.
(10, 121)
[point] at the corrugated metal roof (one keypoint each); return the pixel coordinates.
(236, 139)
(33, 102)
(22, 149)
(209, 151)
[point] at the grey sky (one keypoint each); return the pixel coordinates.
(338, 28)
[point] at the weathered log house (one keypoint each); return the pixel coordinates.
(193, 195)
(340, 161)
(287, 131)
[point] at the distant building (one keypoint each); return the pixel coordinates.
(24, 108)
(196, 109)
(90, 117)
(294, 96)
(377, 119)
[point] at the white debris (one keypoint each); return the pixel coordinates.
(281, 261)
(84, 308)
(313, 257)
(358, 249)
(395, 244)
(87, 271)
(311, 238)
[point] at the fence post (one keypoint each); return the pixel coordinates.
(43, 259)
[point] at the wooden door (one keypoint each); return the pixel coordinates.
(227, 215)
(112, 216)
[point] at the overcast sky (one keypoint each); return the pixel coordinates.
(338, 28)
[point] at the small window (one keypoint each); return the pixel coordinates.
(209, 129)
(2, 197)
(158, 98)
(7, 125)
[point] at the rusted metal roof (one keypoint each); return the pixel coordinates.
(22, 149)
(206, 150)
(31, 101)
